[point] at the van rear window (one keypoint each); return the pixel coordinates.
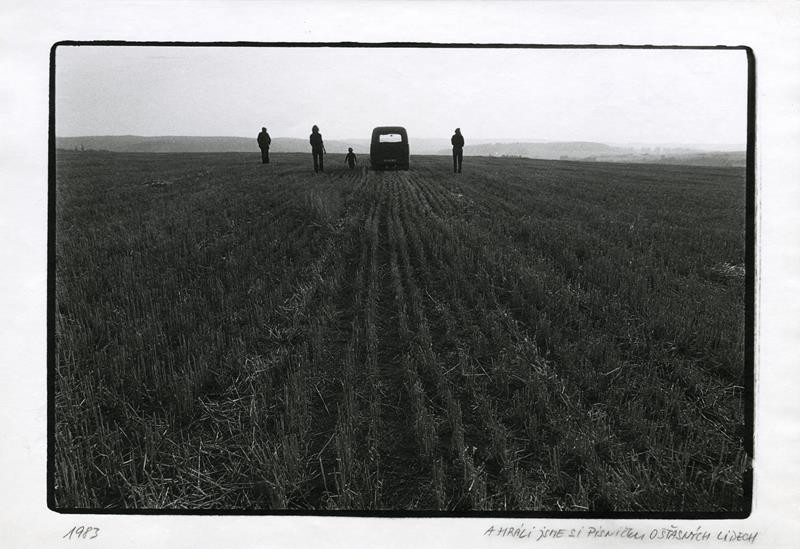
(390, 138)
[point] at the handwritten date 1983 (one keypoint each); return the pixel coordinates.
(82, 532)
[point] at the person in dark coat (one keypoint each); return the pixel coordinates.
(317, 148)
(350, 158)
(263, 144)
(458, 150)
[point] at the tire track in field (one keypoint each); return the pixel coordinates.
(412, 361)
(466, 486)
(351, 454)
(294, 362)
(343, 451)
(397, 447)
(375, 384)
(287, 402)
(422, 393)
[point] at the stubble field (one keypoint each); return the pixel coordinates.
(528, 335)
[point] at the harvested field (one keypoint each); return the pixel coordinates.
(528, 335)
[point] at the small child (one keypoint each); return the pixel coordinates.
(350, 158)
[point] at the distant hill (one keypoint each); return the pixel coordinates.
(180, 143)
(732, 159)
(568, 150)
(600, 152)
(554, 151)
(194, 144)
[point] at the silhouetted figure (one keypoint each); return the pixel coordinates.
(317, 148)
(458, 150)
(350, 158)
(263, 144)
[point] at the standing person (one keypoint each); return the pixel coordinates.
(263, 144)
(458, 150)
(350, 158)
(317, 148)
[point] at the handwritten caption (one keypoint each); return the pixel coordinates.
(82, 532)
(671, 533)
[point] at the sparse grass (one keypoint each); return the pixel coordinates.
(529, 335)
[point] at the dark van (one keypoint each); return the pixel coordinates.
(389, 148)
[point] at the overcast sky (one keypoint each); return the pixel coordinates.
(611, 96)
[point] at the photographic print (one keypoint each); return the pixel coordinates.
(441, 280)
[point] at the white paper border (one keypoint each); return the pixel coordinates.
(772, 29)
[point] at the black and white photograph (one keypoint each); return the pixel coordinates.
(450, 279)
(399, 274)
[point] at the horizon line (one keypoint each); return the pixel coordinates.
(513, 139)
